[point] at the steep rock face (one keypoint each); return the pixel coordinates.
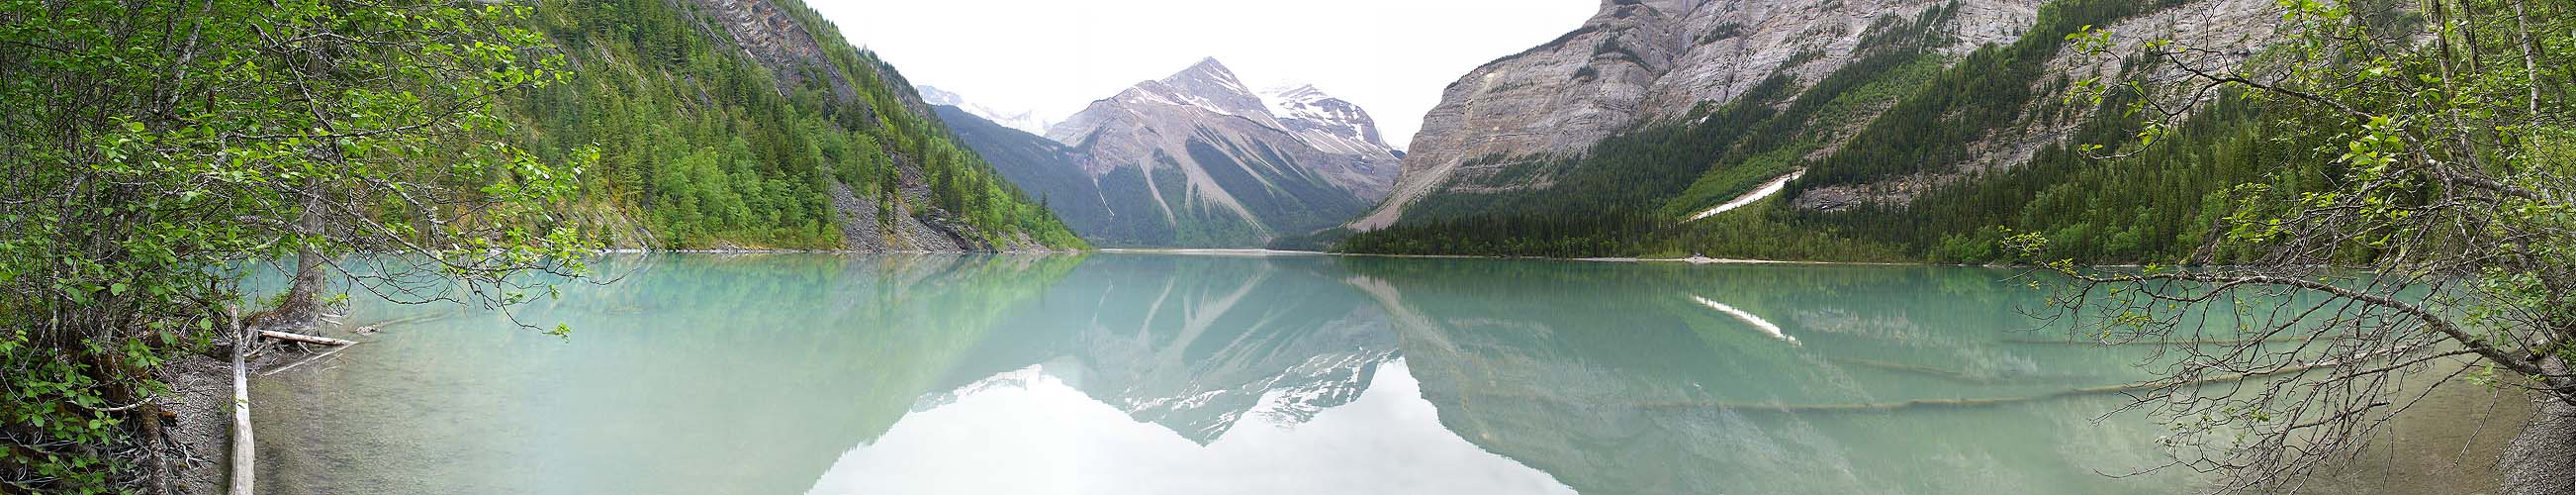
(774, 37)
(1199, 160)
(1640, 61)
(767, 34)
(2229, 31)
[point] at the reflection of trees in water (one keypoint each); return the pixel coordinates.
(696, 374)
(1600, 375)
(1608, 376)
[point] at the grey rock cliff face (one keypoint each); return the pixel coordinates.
(774, 38)
(768, 34)
(2229, 31)
(1650, 60)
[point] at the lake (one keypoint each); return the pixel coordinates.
(1176, 373)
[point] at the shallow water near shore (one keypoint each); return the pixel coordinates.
(1231, 373)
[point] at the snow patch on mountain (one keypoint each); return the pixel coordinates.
(1331, 124)
(1030, 120)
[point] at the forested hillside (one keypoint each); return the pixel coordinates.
(1042, 167)
(751, 124)
(1907, 154)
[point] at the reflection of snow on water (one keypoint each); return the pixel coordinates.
(1283, 400)
(1048, 437)
(1756, 321)
(1336, 379)
(1015, 379)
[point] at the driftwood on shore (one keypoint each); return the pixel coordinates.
(309, 339)
(244, 451)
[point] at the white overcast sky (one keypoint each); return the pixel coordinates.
(1392, 57)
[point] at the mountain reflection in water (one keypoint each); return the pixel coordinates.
(1157, 373)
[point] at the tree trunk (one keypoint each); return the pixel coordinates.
(302, 307)
(2530, 58)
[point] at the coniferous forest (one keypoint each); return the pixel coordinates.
(156, 149)
(2153, 202)
(2238, 261)
(700, 146)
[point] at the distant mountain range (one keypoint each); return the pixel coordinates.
(1197, 159)
(1882, 130)
(1031, 121)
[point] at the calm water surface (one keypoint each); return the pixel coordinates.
(1150, 373)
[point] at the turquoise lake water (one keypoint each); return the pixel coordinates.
(1169, 373)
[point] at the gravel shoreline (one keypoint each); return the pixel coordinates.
(199, 388)
(201, 393)
(2542, 461)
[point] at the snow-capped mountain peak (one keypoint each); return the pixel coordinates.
(1213, 165)
(1207, 85)
(1294, 101)
(1330, 123)
(935, 96)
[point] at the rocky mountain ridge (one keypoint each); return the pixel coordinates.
(1884, 131)
(1199, 159)
(2228, 31)
(1646, 61)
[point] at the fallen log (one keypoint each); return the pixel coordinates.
(244, 452)
(309, 339)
